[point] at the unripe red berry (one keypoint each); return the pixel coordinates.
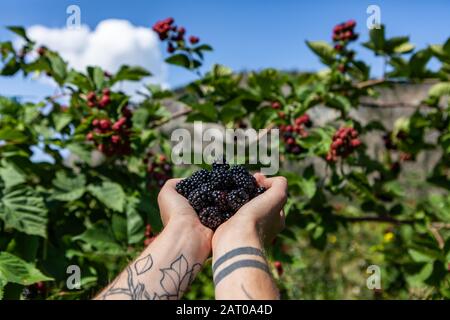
(276, 105)
(338, 47)
(355, 143)
(115, 139)
(91, 96)
(105, 124)
(90, 136)
(41, 50)
(279, 267)
(104, 101)
(194, 39)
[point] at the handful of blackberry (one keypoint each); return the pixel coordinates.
(218, 194)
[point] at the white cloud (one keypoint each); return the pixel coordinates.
(112, 44)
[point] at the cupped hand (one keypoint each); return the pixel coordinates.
(176, 208)
(263, 213)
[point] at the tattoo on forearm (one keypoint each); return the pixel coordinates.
(246, 293)
(245, 263)
(238, 265)
(236, 252)
(174, 280)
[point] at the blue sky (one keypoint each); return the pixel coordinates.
(245, 34)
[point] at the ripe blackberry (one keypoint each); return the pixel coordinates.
(237, 198)
(216, 195)
(198, 199)
(219, 199)
(222, 179)
(211, 217)
(186, 186)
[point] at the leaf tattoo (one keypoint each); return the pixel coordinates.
(143, 265)
(174, 281)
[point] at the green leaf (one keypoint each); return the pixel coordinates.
(100, 238)
(341, 103)
(419, 256)
(11, 67)
(59, 68)
(11, 134)
(61, 120)
(81, 151)
(98, 77)
(404, 48)
(179, 60)
(440, 89)
(15, 270)
(24, 209)
(135, 223)
(68, 188)
(130, 74)
(377, 38)
(203, 47)
(20, 31)
(11, 175)
(207, 109)
(110, 194)
(323, 50)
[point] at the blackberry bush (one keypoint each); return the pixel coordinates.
(216, 195)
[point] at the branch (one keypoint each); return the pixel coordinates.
(390, 105)
(174, 116)
(369, 83)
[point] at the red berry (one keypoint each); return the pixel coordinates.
(106, 91)
(115, 139)
(91, 96)
(181, 31)
(91, 104)
(290, 141)
(355, 143)
(350, 24)
(276, 105)
(119, 123)
(279, 267)
(170, 48)
(90, 136)
(41, 50)
(289, 128)
(338, 47)
(95, 122)
(281, 114)
(104, 101)
(147, 241)
(105, 124)
(194, 39)
(101, 147)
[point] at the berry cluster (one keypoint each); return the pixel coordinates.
(290, 133)
(159, 170)
(94, 101)
(167, 30)
(344, 32)
(112, 138)
(216, 195)
(345, 141)
(149, 235)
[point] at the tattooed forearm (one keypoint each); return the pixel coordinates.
(246, 293)
(174, 280)
(242, 263)
(236, 252)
